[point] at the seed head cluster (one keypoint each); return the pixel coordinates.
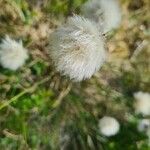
(109, 126)
(12, 54)
(106, 13)
(77, 48)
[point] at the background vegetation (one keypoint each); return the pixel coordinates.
(41, 110)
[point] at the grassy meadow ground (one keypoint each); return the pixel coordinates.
(42, 110)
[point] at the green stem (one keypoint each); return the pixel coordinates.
(29, 90)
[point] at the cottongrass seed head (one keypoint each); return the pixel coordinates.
(108, 126)
(143, 125)
(77, 48)
(142, 103)
(12, 54)
(106, 13)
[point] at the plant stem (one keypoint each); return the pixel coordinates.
(29, 90)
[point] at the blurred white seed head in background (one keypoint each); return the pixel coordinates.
(142, 103)
(143, 125)
(92, 10)
(12, 54)
(77, 48)
(106, 13)
(109, 126)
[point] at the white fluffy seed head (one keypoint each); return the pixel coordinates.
(143, 125)
(12, 54)
(77, 48)
(106, 13)
(92, 10)
(142, 103)
(109, 126)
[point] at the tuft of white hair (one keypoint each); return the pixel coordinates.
(108, 126)
(106, 13)
(12, 54)
(77, 48)
(143, 125)
(142, 103)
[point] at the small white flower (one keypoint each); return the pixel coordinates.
(12, 54)
(144, 125)
(142, 103)
(109, 126)
(106, 13)
(77, 48)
